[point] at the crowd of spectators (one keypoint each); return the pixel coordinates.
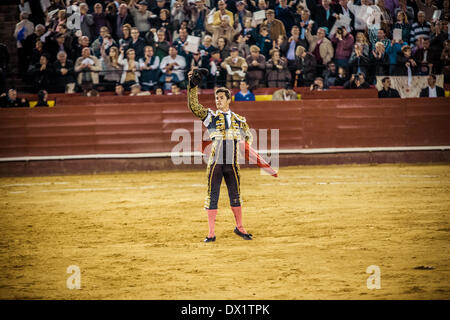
(143, 47)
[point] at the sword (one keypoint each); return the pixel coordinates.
(251, 155)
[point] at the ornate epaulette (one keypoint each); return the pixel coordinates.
(240, 118)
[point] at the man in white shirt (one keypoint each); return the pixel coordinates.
(432, 91)
(176, 61)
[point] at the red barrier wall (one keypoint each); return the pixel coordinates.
(139, 126)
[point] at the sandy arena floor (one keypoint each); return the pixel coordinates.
(316, 230)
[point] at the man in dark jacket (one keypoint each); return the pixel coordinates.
(11, 100)
(432, 91)
(387, 91)
(64, 73)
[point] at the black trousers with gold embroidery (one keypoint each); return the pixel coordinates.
(224, 166)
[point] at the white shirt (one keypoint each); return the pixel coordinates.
(227, 117)
(179, 69)
(432, 92)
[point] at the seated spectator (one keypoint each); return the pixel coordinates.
(324, 15)
(357, 81)
(359, 62)
(285, 94)
(261, 5)
(117, 18)
(175, 62)
(393, 52)
(55, 44)
(264, 42)
(23, 29)
(256, 68)
(196, 60)
(140, 15)
(219, 14)
(432, 91)
(277, 73)
(174, 90)
(236, 67)
(164, 22)
(37, 52)
(119, 90)
(342, 76)
(87, 66)
(178, 14)
(406, 65)
(217, 75)
(384, 18)
(91, 93)
(100, 20)
(29, 44)
(150, 72)
(168, 78)
(244, 94)
(97, 44)
(249, 32)
(136, 91)
(304, 23)
(225, 30)
(222, 46)
(130, 67)
(424, 57)
(125, 40)
(289, 47)
(318, 85)
(241, 43)
(137, 43)
(406, 9)
(42, 74)
(42, 99)
(159, 91)
(420, 29)
(64, 74)
(330, 74)
(344, 46)
(361, 39)
(275, 26)
(241, 14)
(305, 67)
(428, 8)
(320, 46)
(87, 20)
(110, 66)
(161, 45)
(206, 48)
(387, 91)
(181, 40)
(11, 100)
(380, 37)
(285, 14)
(403, 24)
(198, 17)
(380, 60)
(82, 42)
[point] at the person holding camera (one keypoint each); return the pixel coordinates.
(357, 81)
(344, 46)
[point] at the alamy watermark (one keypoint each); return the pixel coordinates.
(74, 281)
(189, 149)
(374, 280)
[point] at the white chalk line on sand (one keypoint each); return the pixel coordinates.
(33, 184)
(302, 183)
